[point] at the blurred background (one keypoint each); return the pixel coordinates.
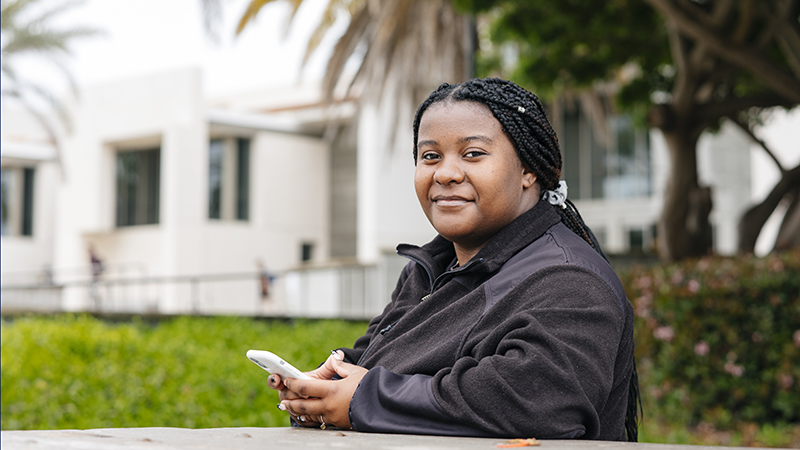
(168, 157)
(253, 157)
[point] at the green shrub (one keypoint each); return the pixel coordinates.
(718, 339)
(81, 372)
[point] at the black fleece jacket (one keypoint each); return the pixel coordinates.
(533, 337)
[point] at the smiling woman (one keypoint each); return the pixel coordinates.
(510, 323)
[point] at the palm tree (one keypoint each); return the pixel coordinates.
(403, 49)
(26, 30)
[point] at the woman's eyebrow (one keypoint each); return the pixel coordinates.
(461, 141)
(427, 142)
(481, 138)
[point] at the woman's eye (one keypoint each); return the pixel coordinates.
(429, 156)
(474, 153)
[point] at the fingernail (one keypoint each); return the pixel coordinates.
(281, 406)
(301, 418)
(336, 355)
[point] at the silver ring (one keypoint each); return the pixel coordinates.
(323, 425)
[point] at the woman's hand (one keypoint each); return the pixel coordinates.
(324, 372)
(321, 400)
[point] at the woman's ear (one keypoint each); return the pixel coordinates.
(528, 178)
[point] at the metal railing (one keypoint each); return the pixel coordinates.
(354, 291)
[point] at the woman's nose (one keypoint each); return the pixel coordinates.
(449, 171)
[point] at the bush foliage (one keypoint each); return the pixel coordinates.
(80, 372)
(718, 339)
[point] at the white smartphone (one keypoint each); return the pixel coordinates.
(272, 363)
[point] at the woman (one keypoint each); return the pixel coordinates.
(510, 323)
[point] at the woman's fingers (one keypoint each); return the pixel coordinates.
(274, 381)
(286, 394)
(328, 399)
(326, 371)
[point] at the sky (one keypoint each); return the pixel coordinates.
(150, 36)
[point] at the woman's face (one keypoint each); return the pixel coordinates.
(469, 179)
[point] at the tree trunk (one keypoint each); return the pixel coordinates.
(753, 220)
(789, 233)
(684, 230)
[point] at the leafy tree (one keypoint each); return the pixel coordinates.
(690, 63)
(26, 27)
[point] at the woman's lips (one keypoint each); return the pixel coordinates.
(450, 200)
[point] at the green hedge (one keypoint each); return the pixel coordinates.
(718, 339)
(80, 372)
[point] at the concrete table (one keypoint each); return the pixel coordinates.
(273, 438)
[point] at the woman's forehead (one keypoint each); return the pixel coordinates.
(450, 103)
(451, 113)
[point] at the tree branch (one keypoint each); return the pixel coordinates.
(742, 57)
(746, 128)
(727, 107)
(753, 220)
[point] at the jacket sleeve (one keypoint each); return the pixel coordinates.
(544, 367)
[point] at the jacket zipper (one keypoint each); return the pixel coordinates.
(430, 275)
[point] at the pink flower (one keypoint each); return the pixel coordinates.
(643, 306)
(693, 286)
(701, 348)
(665, 333)
(785, 380)
(643, 282)
(734, 369)
(676, 277)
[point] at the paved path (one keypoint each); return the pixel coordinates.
(273, 438)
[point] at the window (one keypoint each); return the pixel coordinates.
(138, 187)
(16, 207)
(229, 179)
(628, 161)
(306, 251)
(642, 240)
(616, 167)
(636, 241)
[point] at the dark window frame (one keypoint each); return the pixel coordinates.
(138, 187)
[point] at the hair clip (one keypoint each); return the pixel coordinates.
(520, 109)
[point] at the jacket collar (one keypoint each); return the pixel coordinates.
(531, 225)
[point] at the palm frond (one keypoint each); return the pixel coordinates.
(27, 29)
(333, 10)
(255, 6)
(406, 48)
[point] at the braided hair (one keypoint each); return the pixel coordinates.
(523, 119)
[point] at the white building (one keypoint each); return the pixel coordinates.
(181, 197)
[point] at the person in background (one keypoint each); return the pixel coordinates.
(264, 279)
(510, 322)
(97, 268)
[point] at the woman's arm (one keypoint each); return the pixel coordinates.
(546, 371)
